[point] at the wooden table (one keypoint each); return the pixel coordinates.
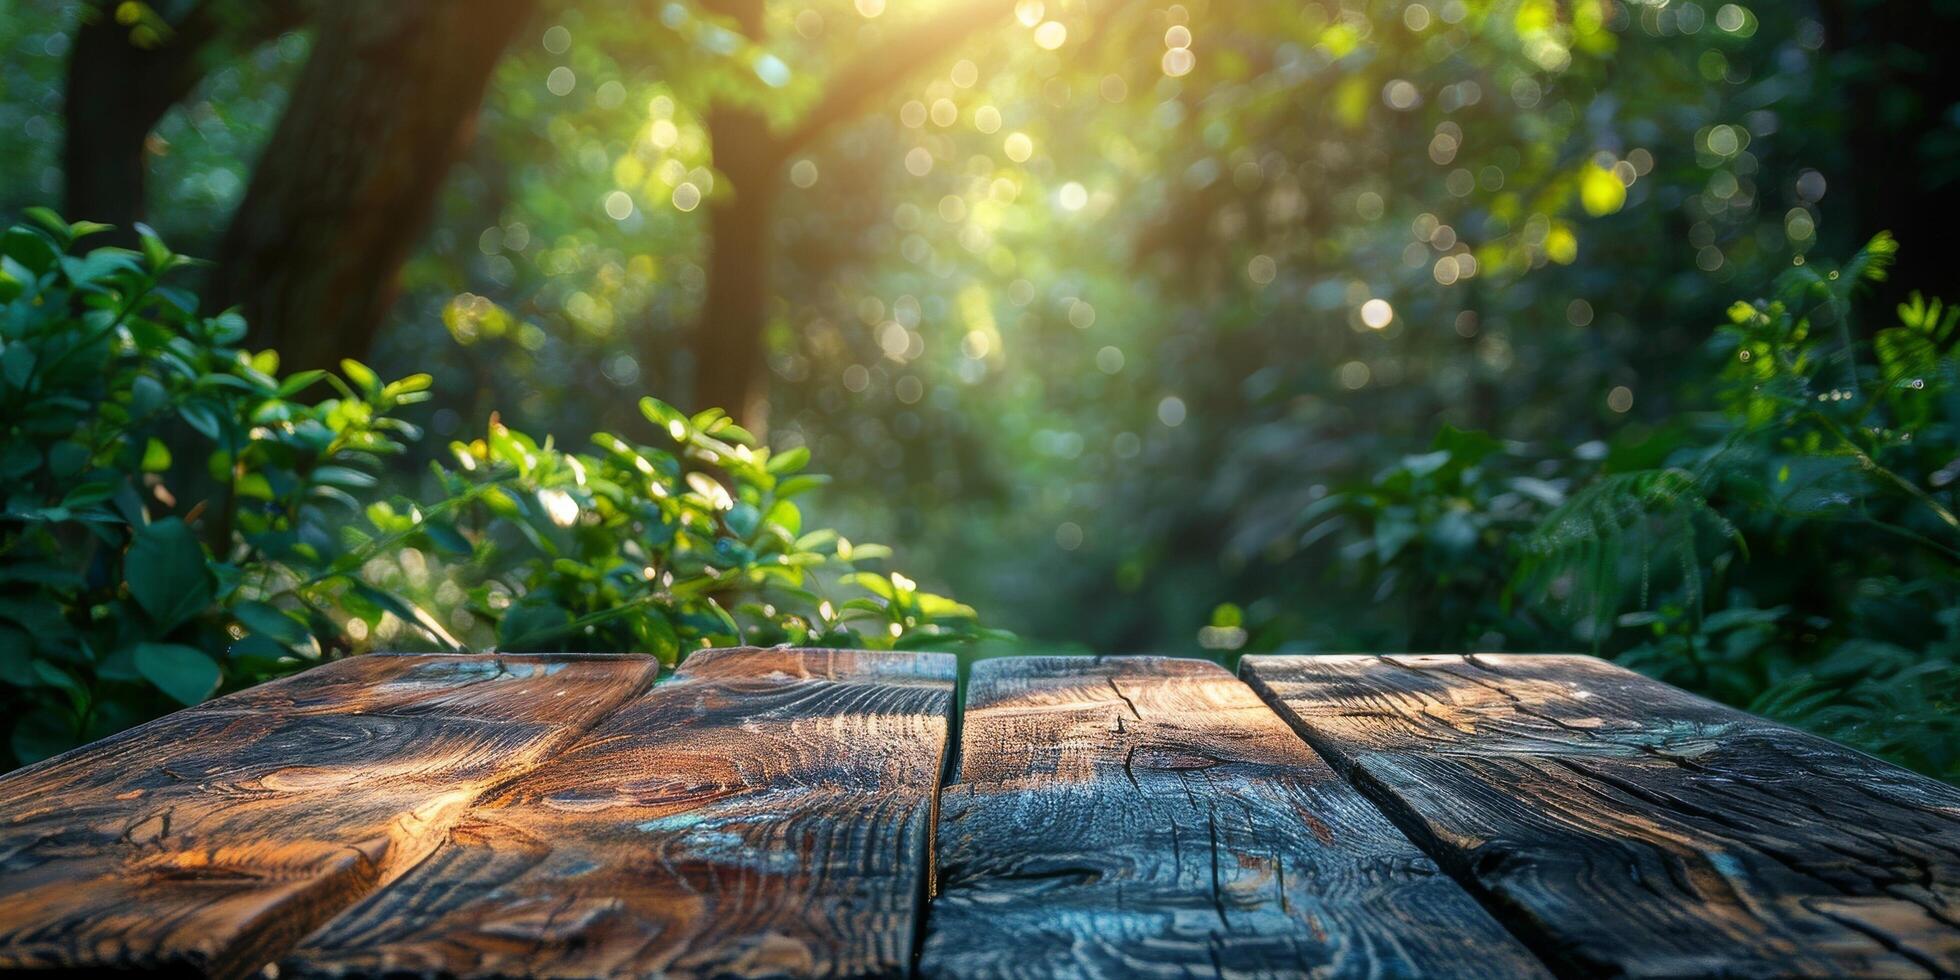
(808, 812)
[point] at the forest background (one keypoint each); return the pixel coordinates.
(1202, 328)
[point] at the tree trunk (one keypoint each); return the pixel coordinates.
(345, 188)
(728, 368)
(116, 93)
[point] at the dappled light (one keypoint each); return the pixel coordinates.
(1200, 327)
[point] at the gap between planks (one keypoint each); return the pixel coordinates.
(763, 812)
(1119, 816)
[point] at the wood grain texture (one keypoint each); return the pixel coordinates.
(1620, 825)
(765, 812)
(211, 839)
(1150, 817)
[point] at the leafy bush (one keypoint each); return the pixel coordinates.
(1794, 551)
(180, 519)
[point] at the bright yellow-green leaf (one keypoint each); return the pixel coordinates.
(156, 456)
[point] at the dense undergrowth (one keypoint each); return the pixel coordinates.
(181, 519)
(1792, 549)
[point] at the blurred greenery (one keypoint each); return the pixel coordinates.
(1194, 328)
(181, 519)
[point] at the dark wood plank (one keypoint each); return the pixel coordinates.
(211, 839)
(765, 812)
(1622, 825)
(1143, 816)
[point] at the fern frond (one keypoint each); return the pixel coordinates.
(1618, 503)
(1874, 262)
(1583, 544)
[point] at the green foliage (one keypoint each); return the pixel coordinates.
(180, 519)
(1795, 552)
(1081, 328)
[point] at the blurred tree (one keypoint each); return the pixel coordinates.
(750, 154)
(344, 190)
(127, 66)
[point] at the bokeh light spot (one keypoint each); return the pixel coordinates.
(619, 206)
(1376, 313)
(1261, 269)
(1170, 411)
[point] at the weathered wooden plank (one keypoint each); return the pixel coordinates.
(933, 670)
(1143, 816)
(1622, 825)
(765, 812)
(209, 840)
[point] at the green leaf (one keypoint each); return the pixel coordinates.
(67, 458)
(265, 619)
(119, 666)
(800, 484)
(407, 612)
(16, 658)
(226, 328)
(256, 654)
(299, 382)
(790, 461)
(362, 376)
(447, 539)
(156, 456)
(17, 364)
(50, 222)
(1466, 446)
(531, 625)
(167, 573)
(343, 476)
(203, 416)
(184, 673)
(872, 582)
(742, 520)
(99, 265)
(18, 459)
(155, 252)
(88, 494)
(666, 416)
(146, 394)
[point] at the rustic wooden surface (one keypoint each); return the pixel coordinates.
(766, 812)
(1622, 825)
(211, 839)
(1142, 816)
